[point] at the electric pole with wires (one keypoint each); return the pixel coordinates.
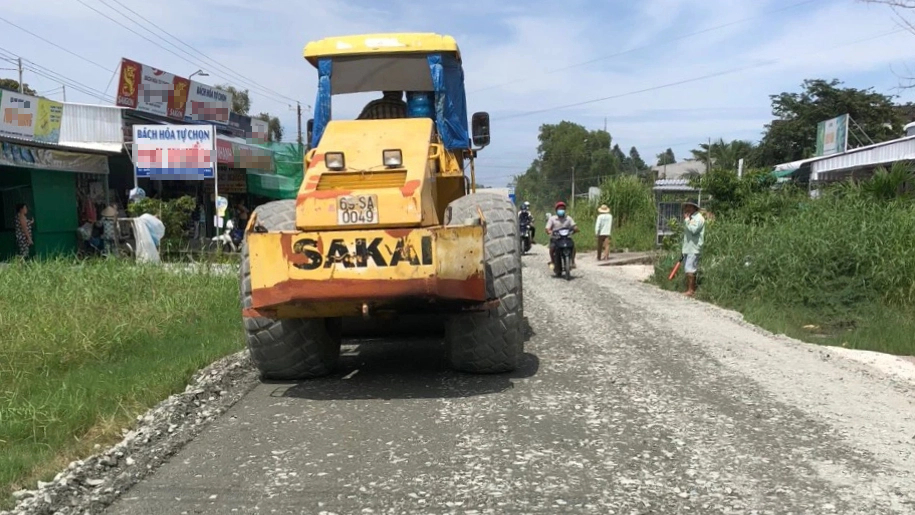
(299, 113)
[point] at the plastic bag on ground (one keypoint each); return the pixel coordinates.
(155, 226)
(148, 231)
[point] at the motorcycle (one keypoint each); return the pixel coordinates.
(231, 238)
(562, 254)
(525, 232)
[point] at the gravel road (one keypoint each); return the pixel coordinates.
(630, 400)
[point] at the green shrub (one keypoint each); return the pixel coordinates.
(175, 214)
(839, 263)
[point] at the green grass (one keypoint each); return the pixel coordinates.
(837, 271)
(87, 347)
(633, 208)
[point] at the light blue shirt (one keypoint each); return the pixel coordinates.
(694, 234)
(604, 224)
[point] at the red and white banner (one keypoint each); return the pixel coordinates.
(158, 92)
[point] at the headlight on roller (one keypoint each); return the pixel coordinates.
(392, 158)
(334, 161)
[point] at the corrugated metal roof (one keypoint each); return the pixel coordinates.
(673, 185)
(92, 127)
(793, 165)
(902, 149)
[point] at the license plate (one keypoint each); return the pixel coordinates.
(357, 210)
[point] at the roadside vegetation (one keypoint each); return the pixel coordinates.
(838, 270)
(634, 212)
(86, 347)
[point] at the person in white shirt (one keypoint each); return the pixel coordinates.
(603, 228)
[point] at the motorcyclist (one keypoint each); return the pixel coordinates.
(560, 220)
(525, 217)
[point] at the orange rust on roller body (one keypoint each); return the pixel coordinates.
(321, 195)
(308, 290)
(398, 233)
(409, 188)
(287, 244)
(317, 158)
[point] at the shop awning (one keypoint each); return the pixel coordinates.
(284, 183)
(51, 157)
(273, 186)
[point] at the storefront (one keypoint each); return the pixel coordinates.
(59, 185)
(236, 160)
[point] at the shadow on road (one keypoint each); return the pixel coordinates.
(403, 368)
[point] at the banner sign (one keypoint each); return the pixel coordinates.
(154, 91)
(174, 152)
(832, 136)
(259, 130)
(208, 104)
(12, 154)
(237, 155)
(28, 117)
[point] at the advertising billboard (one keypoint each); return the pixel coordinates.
(28, 117)
(154, 91)
(832, 136)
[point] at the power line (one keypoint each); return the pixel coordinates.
(69, 82)
(213, 61)
(193, 63)
(47, 73)
(74, 54)
(685, 81)
(672, 40)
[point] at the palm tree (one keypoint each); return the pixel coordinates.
(723, 154)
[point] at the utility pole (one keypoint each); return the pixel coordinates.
(19, 60)
(299, 112)
(708, 157)
(64, 89)
(573, 186)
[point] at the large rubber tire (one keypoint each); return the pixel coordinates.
(492, 341)
(289, 348)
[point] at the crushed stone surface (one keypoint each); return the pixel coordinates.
(630, 400)
(89, 486)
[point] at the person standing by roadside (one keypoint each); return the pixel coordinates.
(693, 239)
(603, 228)
(23, 230)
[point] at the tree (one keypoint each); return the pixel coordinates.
(621, 158)
(241, 104)
(792, 134)
(666, 158)
(274, 127)
(13, 85)
(566, 148)
(241, 99)
(636, 160)
(726, 154)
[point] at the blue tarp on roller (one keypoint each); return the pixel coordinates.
(450, 101)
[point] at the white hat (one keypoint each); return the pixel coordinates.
(136, 194)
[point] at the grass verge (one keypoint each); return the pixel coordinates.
(839, 270)
(87, 347)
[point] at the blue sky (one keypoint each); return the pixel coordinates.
(512, 50)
